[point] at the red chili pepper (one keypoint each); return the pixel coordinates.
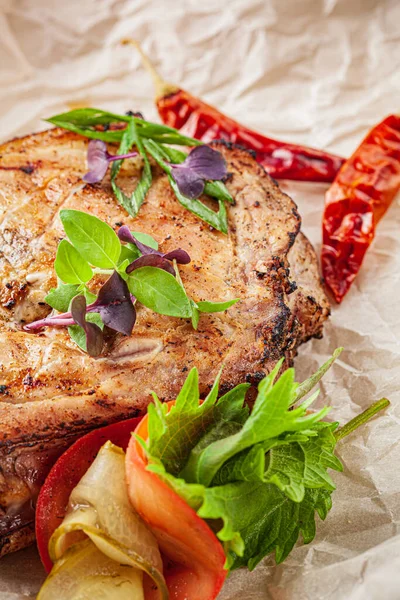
(358, 198)
(199, 120)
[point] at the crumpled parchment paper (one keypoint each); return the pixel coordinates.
(320, 72)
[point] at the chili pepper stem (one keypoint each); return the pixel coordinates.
(162, 88)
(364, 417)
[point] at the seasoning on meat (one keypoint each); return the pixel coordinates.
(74, 393)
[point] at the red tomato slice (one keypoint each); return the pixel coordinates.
(66, 474)
(197, 569)
(193, 556)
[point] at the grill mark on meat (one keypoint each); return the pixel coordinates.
(233, 146)
(37, 309)
(27, 169)
(54, 393)
(308, 302)
(49, 223)
(28, 197)
(76, 188)
(136, 350)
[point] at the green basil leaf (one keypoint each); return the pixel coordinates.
(88, 294)
(159, 291)
(176, 139)
(212, 307)
(122, 268)
(133, 202)
(195, 314)
(128, 252)
(78, 335)
(93, 238)
(115, 135)
(195, 310)
(60, 298)
(145, 238)
(218, 220)
(70, 265)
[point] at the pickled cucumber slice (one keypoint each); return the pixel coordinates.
(99, 510)
(85, 573)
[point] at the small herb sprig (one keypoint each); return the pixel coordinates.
(137, 271)
(190, 174)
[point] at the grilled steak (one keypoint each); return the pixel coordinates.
(50, 391)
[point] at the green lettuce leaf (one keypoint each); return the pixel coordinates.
(259, 519)
(270, 417)
(259, 478)
(295, 466)
(307, 385)
(172, 436)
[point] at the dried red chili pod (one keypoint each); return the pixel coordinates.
(358, 198)
(282, 160)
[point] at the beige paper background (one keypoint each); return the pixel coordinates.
(311, 71)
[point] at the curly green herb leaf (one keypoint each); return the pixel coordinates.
(213, 307)
(264, 475)
(60, 298)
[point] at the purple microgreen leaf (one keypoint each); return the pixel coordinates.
(124, 234)
(206, 162)
(145, 238)
(93, 333)
(97, 160)
(57, 321)
(112, 157)
(201, 164)
(143, 248)
(119, 316)
(152, 260)
(113, 289)
(190, 184)
(181, 256)
(115, 306)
